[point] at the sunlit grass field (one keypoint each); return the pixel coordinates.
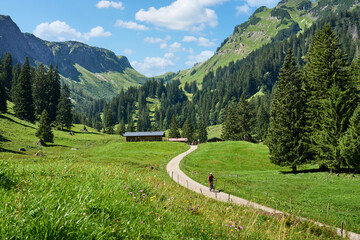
(244, 169)
(95, 186)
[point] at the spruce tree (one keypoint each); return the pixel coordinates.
(174, 128)
(202, 132)
(188, 131)
(39, 90)
(228, 127)
(350, 142)
(7, 68)
(245, 120)
(108, 121)
(121, 128)
(44, 132)
(328, 76)
(23, 100)
(131, 126)
(287, 118)
(52, 90)
(3, 104)
(15, 75)
(64, 116)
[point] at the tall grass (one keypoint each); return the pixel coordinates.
(244, 170)
(94, 186)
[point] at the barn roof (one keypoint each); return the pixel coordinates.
(144, 134)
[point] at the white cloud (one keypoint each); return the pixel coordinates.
(163, 45)
(107, 4)
(169, 55)
(96, 32)
(154, 40)
(153, 66)
(201, 41)
(245, 9)
(259, 3)
(128, 51)
(176, 47)
(189, 15)
(60, 31)
(130, 25)
(202, 57)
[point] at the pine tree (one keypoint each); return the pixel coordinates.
(3, 104)
(64, 116)
(53, 91)
(44, 132)
(174, 128)
(327, 68)
(23, 101)
(228, 127)
(287, 118)
(40, 96)
(7, 68)
(350, 141)
(202, 132)
(15, 75)
(144, 123)
(131, 126)
(121, 128)
(245, 121)
(188, 131)
(108, 122)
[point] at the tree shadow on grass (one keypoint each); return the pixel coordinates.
(317, 170)
(10, 151)
(12, 120)
(79, 132)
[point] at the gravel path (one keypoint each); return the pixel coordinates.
(180, 177)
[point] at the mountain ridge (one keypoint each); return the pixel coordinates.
(264, 26)
(67, 55)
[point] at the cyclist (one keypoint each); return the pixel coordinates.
(211, 182)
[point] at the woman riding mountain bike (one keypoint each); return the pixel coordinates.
(211, 182)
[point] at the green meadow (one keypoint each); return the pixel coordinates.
(96, 186)
(244, 170)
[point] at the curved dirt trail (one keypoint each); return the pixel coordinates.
(181, 178)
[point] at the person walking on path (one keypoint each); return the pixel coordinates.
(211, 182)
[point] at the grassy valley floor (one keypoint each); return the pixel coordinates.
(95, 186)
(244, 170)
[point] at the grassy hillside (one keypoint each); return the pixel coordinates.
(93, 186)
(244, 169)
(262, 27)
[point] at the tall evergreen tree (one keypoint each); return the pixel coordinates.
(202, 132)
(327, 67)
(53, 91)
(44, 131)
(3, 104)
(228, 131)
(108, 122)
(131, 126)
(245, 116)
(121, 128)
(7, 68)
(144, 123)
(23, 101)
(174, 128)
(287, 118)
(188, 131)
(64, 116)
(15, 75)
(350, 141)
(39, 90)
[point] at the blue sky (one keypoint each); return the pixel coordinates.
(157, 36)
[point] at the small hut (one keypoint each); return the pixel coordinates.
(144, 136)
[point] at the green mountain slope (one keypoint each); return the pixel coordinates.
(98, 71)
(265, 26)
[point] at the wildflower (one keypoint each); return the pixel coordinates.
(172, 198)
(227, 225)
(134, 197)
(141, 191)
(231, 230)
(144, 194)
(107, 173)
(211, 222)
(198, 205)
(240, 227)
(130, 192)
(141, 222)
(231, 226)
(168, 199)
(149, 213)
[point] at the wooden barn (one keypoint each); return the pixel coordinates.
(144, 136)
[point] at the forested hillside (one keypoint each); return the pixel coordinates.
(88, 71)
(265, 26)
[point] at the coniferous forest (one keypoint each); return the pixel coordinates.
(302, 102)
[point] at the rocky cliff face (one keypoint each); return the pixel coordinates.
(63, 54)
